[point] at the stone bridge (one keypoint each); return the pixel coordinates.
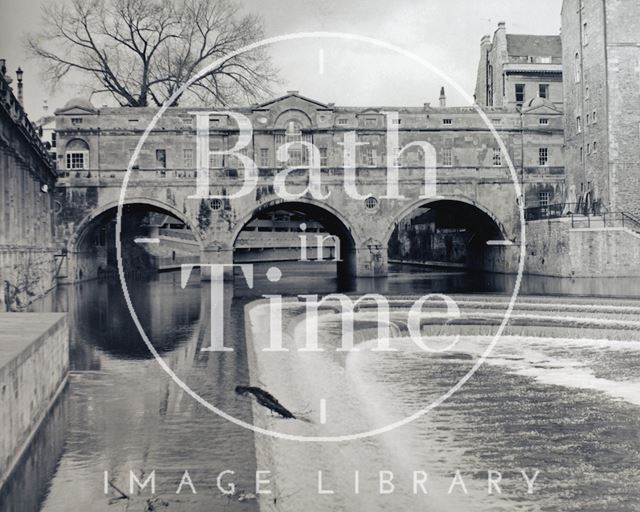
(487, 206)
(474, 188)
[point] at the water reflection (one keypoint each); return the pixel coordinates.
(124, 413)
(29, 485)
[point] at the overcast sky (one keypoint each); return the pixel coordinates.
(446, 33)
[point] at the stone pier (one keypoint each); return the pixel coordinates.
(34, 363)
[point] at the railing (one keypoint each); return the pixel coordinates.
(582, 216)
(606, 220)
(554, 211)
(544, 212)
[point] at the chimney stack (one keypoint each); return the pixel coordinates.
(443, 97)
(19, 73)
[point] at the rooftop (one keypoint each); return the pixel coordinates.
(522, 45)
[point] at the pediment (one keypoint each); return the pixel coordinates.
(542, 110)
(293, 101)
(75, 111)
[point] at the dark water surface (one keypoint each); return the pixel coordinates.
(121, 412)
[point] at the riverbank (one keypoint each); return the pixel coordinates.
(34, 363)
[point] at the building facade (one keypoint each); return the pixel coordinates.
(601, 46)
(95, 146)
(514, 69)
(27, 179)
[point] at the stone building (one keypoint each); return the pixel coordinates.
(514, 69)
(95, 146)
(27, 178)
(523, 73)
(601, 47)
(46, 127)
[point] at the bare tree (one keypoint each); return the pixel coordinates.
(142, 51)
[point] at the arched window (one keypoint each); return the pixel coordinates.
(578, 68)
(77, 154)
(297, 153)
(293, 133)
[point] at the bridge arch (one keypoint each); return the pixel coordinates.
(441, 200)
(458, 227)
(85, 261)
(152, 204)
(332, 220)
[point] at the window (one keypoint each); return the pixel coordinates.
(595, 147)
(543, 121)
(370, 122)
(594, 118)
(497, 157)
(519, 94)
(77, 154)
(581, 155)
(293, 133)
(447, 157)
(586, 92)
(543, 199)
(543, 156)
(295, 156)
(577, 67)
(368, 156)
(76, 120)
(588, 148)
(216, 204)
(578, 124)
(447, 121)
(215, 160)
(585, 37)
(54, 138)
(76, 160)
(264, 157)
(543, 90)
(187, 158)
(370, 203)
(342, 120)
(161, 158)
(323, 157)
(279, 139)
(588, 119)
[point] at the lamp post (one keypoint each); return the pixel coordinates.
(19, 74)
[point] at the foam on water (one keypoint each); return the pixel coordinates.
(368, 390)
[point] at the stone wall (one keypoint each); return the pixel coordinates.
(27, 274)
(601, 88)
(623, 70)
(27, 179)
(554, 248)
(34, 361)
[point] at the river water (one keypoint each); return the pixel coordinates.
(564, 402)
